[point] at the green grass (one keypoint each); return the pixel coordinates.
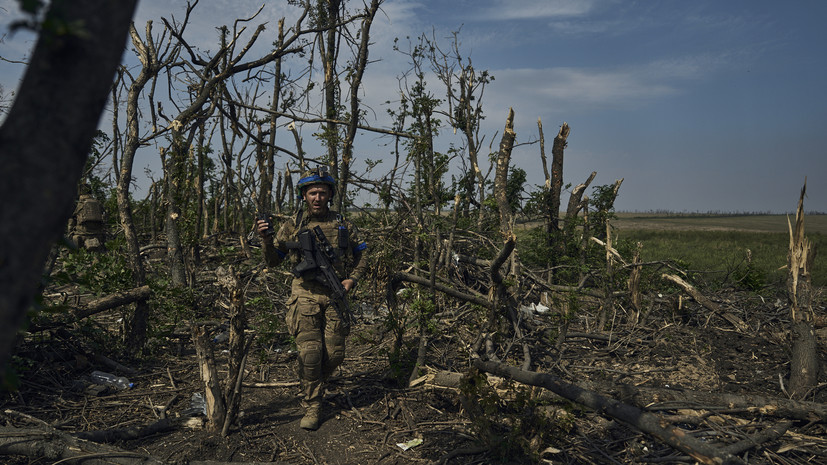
(722, 251)
(813, 224)
(714, 245)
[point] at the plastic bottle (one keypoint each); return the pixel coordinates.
(108, 379)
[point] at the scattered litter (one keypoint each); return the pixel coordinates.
(409, 444)
(195, 422)
(222, 336)
(198, 407)
(551, 450)
(534, 308)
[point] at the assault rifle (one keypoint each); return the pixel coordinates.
(318, 255)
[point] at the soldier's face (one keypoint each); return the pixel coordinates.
(317, 198)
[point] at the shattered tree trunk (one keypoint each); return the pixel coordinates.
(223, 404)
(576, 199)
(501, 176)
(804, 363)
(267, 160)
(608, 285)
(213, 398)
(238, 350)
(501, 295)
(553, 188)
(556, 185)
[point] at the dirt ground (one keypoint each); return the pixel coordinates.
(370, 418)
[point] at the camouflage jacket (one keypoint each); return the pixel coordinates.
(349, 245)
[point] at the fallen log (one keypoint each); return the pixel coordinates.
(703, 300)
(52, 445)
(97, 306)
(474, 299)
(122, 434)
(770, 434)
(646, 422)
(751, 403)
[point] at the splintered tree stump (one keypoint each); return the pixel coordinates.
(216, 408)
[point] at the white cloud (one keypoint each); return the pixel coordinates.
(533, 9)
(569, 88)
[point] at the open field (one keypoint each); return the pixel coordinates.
(718, 244)
(753, 223)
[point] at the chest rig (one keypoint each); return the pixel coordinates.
(314, 241)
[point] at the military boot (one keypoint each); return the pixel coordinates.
(312, 417)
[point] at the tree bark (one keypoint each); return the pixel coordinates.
(45, 140)
(238, 348)
(175, 176)
(267, 166)
(54, 445)
(331, 83)
(634, 281)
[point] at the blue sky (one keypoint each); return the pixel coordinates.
(699, 105)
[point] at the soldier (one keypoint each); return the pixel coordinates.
(86, 227)
(313, 317)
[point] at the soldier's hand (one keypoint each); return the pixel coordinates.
(262, 227)
(348, 284)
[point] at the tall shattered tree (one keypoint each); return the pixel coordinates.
(804, 364)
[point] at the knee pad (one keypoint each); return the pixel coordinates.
(310, 360)
(335, 348)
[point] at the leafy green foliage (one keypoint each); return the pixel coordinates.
(602, 203)
(515, 187)
(172, 305)
(269, 325)
(96, 273)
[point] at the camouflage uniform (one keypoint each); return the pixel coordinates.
(86, 225)
(312, 317)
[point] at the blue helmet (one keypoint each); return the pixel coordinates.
(318, 175)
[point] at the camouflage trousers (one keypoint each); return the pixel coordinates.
(320, 336)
